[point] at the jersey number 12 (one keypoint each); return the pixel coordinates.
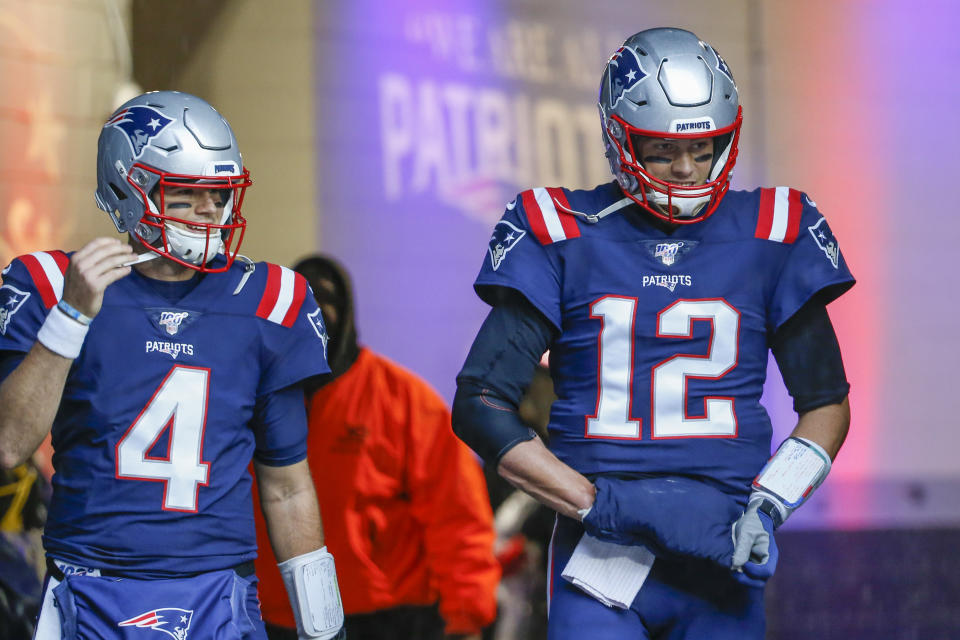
(668, 378)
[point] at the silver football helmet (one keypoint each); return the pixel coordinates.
(171, 140)
(667, 83)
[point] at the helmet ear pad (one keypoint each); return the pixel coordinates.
(667, 83)
(162, 139)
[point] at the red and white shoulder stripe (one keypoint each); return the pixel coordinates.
(780, 211)
(548, 222)
(46, 269)
(283, 296)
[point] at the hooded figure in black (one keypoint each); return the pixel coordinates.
(334, 294)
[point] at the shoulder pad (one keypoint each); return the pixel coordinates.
(779, 215)
(548, 213)
(45, 270)
(282, 294)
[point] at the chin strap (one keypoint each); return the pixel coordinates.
(143, 257)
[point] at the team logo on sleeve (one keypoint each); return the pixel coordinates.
(505, 237)
(625, 72)
(171, 621)
(316, 321)
(827, 242)
(11, 299)
(140, 124)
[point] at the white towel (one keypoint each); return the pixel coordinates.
(611, 573)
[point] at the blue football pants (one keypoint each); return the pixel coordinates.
(680, 600)
(219, 605)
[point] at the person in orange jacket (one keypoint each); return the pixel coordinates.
(403, 501)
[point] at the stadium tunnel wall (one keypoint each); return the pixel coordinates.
(871, 552)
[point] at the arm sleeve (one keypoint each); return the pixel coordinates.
(808, 355)
(449, 498)
(498, 370)
(280, 427)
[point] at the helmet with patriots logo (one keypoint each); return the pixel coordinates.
(169, 139)
(667, 83)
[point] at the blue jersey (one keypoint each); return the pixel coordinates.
(663, 336)
(165, 407)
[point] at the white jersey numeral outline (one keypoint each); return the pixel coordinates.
(179, 405)
(611, 419)
(668, 384)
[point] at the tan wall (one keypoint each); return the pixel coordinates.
(61, 63)
(253, 62)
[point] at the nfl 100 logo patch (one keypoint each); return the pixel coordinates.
(667, 252)
(670, 251)
(172, 322)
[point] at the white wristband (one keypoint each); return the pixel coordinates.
(311, 582)
(62, 334)
(793, 473)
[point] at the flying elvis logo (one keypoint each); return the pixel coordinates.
(139, 124)
(624, 72)
(316, 321)
(505, 237)
(171, 621)
(827, 242)
(11, 299)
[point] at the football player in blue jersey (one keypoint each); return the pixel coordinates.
(162, 366)
(659, 296)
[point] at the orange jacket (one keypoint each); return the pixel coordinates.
(404, 503)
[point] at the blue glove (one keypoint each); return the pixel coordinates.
(669, 515)
(755, 552)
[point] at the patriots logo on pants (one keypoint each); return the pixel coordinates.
(625, 71)
(505, 237)
(173, 622)
(140, 124)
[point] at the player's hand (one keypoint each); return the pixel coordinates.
(755, 552)
(670, 515)
(91, 270)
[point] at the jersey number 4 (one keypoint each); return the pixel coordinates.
(178, 407)
(668, 400)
